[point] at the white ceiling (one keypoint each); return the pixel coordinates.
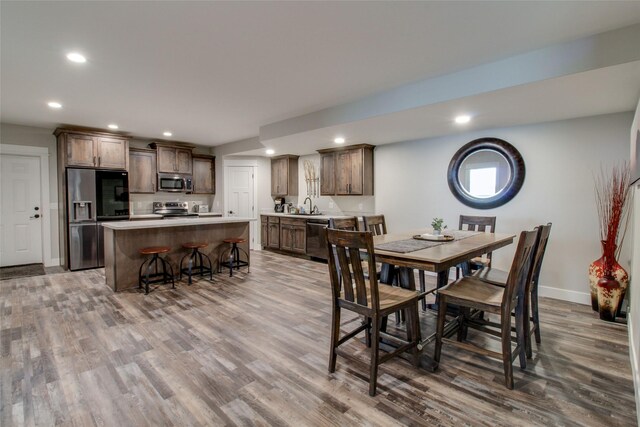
(215, 72)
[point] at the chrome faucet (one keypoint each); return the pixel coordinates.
(310, 204)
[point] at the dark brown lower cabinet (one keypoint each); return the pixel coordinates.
(264, 231)
(286, 234)
(293, 233)
(273, 232)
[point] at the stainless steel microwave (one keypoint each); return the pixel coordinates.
(174, 183)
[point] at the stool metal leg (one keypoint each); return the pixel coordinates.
(150, 264)
(196, 265)
(230, 258)
(236, 254)
(140, 273)
(153, 262)
(190, 264)
(245, 254)
(210, 266)
(231, 254)
(165, 275)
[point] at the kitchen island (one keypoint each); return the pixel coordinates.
(124, 239)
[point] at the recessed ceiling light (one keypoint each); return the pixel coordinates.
(270, 151)
(53, 104)
(339, 140)
(76, 57)
(113, 126)
(167, 134)
(463, 119)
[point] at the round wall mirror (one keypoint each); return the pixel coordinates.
(486, 173)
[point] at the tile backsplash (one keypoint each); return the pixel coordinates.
(336, 205)
(140, 204)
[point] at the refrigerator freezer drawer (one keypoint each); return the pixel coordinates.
(83, 246)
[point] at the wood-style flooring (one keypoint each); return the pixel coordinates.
(253, 350)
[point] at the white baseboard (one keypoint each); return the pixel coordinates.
(565, 295)
(53, 262)
(635, 364)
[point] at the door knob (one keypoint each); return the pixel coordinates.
(231, 212)
(36, 208)
(35, 216)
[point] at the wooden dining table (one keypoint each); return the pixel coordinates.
(437, 259)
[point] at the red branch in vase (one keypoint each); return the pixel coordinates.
(613, 202)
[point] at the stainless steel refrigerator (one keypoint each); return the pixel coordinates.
(93, 197)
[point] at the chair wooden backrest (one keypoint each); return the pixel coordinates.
(545, 231)
(521, 269)
(478, 223)
(375, 224)
(345, 266)
(349, 223)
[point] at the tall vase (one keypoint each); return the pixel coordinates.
(596, 272)
(610, 297)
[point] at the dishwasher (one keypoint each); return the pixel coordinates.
(316, 239)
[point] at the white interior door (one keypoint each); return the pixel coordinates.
(239, 194)
(20, 211)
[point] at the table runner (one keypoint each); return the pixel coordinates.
(411, 245)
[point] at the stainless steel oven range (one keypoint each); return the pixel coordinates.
(170, 210)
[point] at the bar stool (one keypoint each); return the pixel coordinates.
(156, 277)
(196, 260)
(232, 256)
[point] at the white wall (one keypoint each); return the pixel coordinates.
(634, 305)
(39, 137)
(560, 157)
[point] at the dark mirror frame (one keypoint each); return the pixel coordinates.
(516, 164)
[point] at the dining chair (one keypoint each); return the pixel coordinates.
(377, 225)
(485, 224)
(348, 223)
(471, 293)
(367, 298)
(499, 278)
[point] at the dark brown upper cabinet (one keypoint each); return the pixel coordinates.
(93, 149)
(284, 176)
(347, 171)
(328, 174)
(142, 170)
(204, 174)
(173, 158)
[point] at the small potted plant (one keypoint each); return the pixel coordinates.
(437, 225)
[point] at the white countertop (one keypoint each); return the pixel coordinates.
(158, 216)
(323, 216)
(180, 222)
